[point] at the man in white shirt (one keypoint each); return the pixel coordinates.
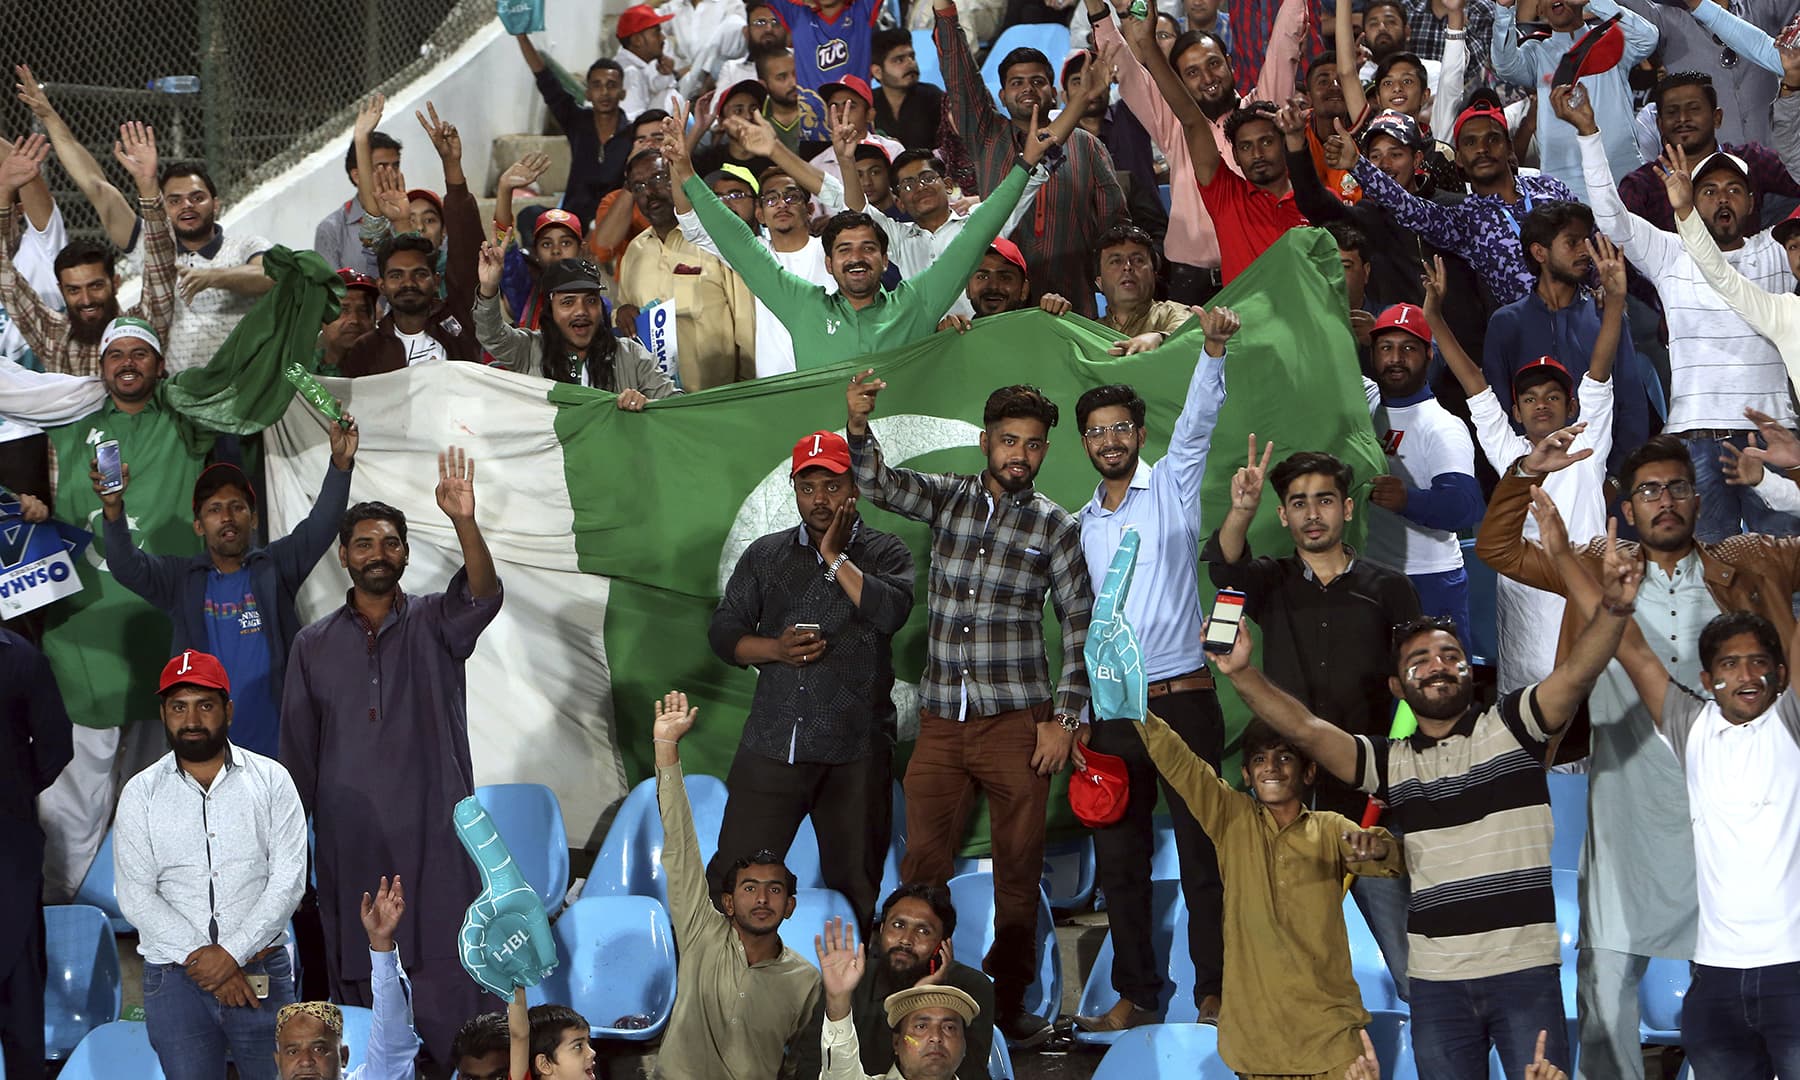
(1719, 364)
(1739, 752)
(1431, 492)
(650, 75)
(706, 34)
(928, 1020)
(210, 846)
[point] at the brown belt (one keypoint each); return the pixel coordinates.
(1180, 684)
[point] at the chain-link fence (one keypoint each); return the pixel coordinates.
(249, 86)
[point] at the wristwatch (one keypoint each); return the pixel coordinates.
(1068, 721)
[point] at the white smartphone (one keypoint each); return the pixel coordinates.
(1222, 628)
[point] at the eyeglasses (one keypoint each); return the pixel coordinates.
(789, 195)
(1651, 490)
(764, 24)
(1123, 427)
(733, 196)
(659, 181)
(916, 181)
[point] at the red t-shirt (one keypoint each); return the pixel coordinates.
(1246, 218)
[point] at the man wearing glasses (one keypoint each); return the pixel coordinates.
(1638, 821)
(1162, 503)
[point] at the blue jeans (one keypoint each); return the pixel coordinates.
(1445, 593)
(1743, 1023)
(1726, 510)
(1455, 1021)
(192, 1032)
(1382, 902)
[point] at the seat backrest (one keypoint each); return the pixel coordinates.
(973, 895)
(1069, 871)
(100, 888)
(1569, 813)
(1098, 995)
(802, 857)
(1000, 1066)
(1661, 994)
(925, 49)
(1051, 39)
(83, 990)
(357, 1022)
(1484, 611)
(1566, 884)
(616, 962)
(112, 1052)
(630, 860)
(812, 909)
(529, 819)
(1165, 1050)
(1367, 965)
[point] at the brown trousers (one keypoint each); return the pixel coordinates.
(950, 763)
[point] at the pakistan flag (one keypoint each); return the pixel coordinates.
(616, 532)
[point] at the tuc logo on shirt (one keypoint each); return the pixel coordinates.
(1390, 442)
(831, 54)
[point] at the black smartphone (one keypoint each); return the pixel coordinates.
(1222, 628)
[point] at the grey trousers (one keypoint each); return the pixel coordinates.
(1606, 998)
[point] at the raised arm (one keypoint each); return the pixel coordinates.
(1444, 226)
(902, 491)
(1746, 39)
(521, 173)
(1610, 264)
(1246, 496)
(1500, 540)
(1645, 245)
(1769, 314)
(1329, 745)
(1461, 364)
(393, 1041)
(690, 906)
(1566, 688)
(1201, 146)
(456, 498)
(117, 216)
(783, 293)
(977, 117)
(1349, 61)
(22, 168)
(1514, 63)
(758, 137)
(1190, 442)
(136, 151)
(34, 196)
(368, 118)
(1446, 101)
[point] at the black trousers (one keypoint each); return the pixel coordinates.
(22, 994)
(1193, 285)
(1122, 852)
(852, 809)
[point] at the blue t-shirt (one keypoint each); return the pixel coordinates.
(237, 635)
(825, 52)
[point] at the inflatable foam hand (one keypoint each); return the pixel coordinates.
(505, 940)
(1115, 667)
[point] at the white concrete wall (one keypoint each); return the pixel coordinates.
(483, 88)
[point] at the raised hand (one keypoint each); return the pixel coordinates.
(837, 534)
(1435, 280)
(344, 436)
(1610, 262)
(31, 95)
(381, 913)
(135, 149)
(1229, 664)
(444, 138)
(841, 960)
(1366, 1067)
(752, 133)
(1553, 454)
(1552, 532)
(1621, 573)
(1539, 1069)
(110, 501)
(1247, 482)
(1739, 468)
(861, 398)
(675, 151)
(845, 136)
(368, 115)
(674, 718)
(1340, 149)
(1780, 448)
(1140, 33)
(946, 955)
(456, 485)
(1038, 142)
(23, 164)
(1219, 325)
(1574, 109)
(390, 196)
(489, 269)
(1292, 117)
(1678, 181)
(523, 172)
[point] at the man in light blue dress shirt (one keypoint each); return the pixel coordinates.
(1162, 503)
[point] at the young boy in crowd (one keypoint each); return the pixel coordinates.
(1302, 1016)
(549, 1042)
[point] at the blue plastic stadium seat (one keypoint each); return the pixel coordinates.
(615, 965)
(357, 1022)
(803, 857)
(926, 50)
(1000, 1065)
(813, 908)
(630, 860)
(1188, 1051)
(1568, 930)
(1051, 39)
(82, 991)
(1568, 809)
(1660, 996)
(1069, 870)
(890, 866)
(100, 889)
(1168, 915)
(1366, 963)
(1165, 859)
(1167, 197)
(113, 1052)
(973, 895)
(1484, 617)
(530, 820)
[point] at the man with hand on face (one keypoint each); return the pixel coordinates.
(814, 610)
(987, 719)
(341, 735)
(1431, 492)
(1467, 790)
(211, 849)
(1738, 749)
(1162, 503)
(997, 285)
(743, 999)
(928, 1024)
(235, 601)
(909, 949)
(355, 317)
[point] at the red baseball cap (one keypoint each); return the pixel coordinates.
(1481, 110)
(821, 450)
(1599, 49)
(1408, 318)
(851, 83)
(429, 196)
(1009, 251)
(637, 18)
(1537, 371)
(194, 668)
(356, 279)
(556, 216)
(1100, 789)
(1786, 228)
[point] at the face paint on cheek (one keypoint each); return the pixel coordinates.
(1412, 674)
(912, 1041)
(1719, 687)
(1462, 668)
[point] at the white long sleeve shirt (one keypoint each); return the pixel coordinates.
(1775, 314)
(222, 865)
(645, 86)
(1718, 362)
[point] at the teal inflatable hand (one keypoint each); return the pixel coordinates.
(1115, 667)
(505, 940)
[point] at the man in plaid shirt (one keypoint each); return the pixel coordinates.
(986, 720)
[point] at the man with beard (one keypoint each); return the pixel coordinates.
(1322, 601)
(1718, 363)
(909, 948)
(211, 850)
(796, 112)
(764, 35)
(905, 108)
(715, 313)
(1739, 1012)
(69, 342)
(419, 327)
(1082, 198)
(355, 317)
(237, 601)
(927, 1024)
(377, 682)
(1532, 64)
(998, 285)
(1430, 493)
(1125, 264)
(1467, 791)
(1162, 503)
(1561, 317)
(819, 739)
(1638, 887)
(218, 276)
(1688, 115)
(987, 719)
(743, 999)
(599, 136)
